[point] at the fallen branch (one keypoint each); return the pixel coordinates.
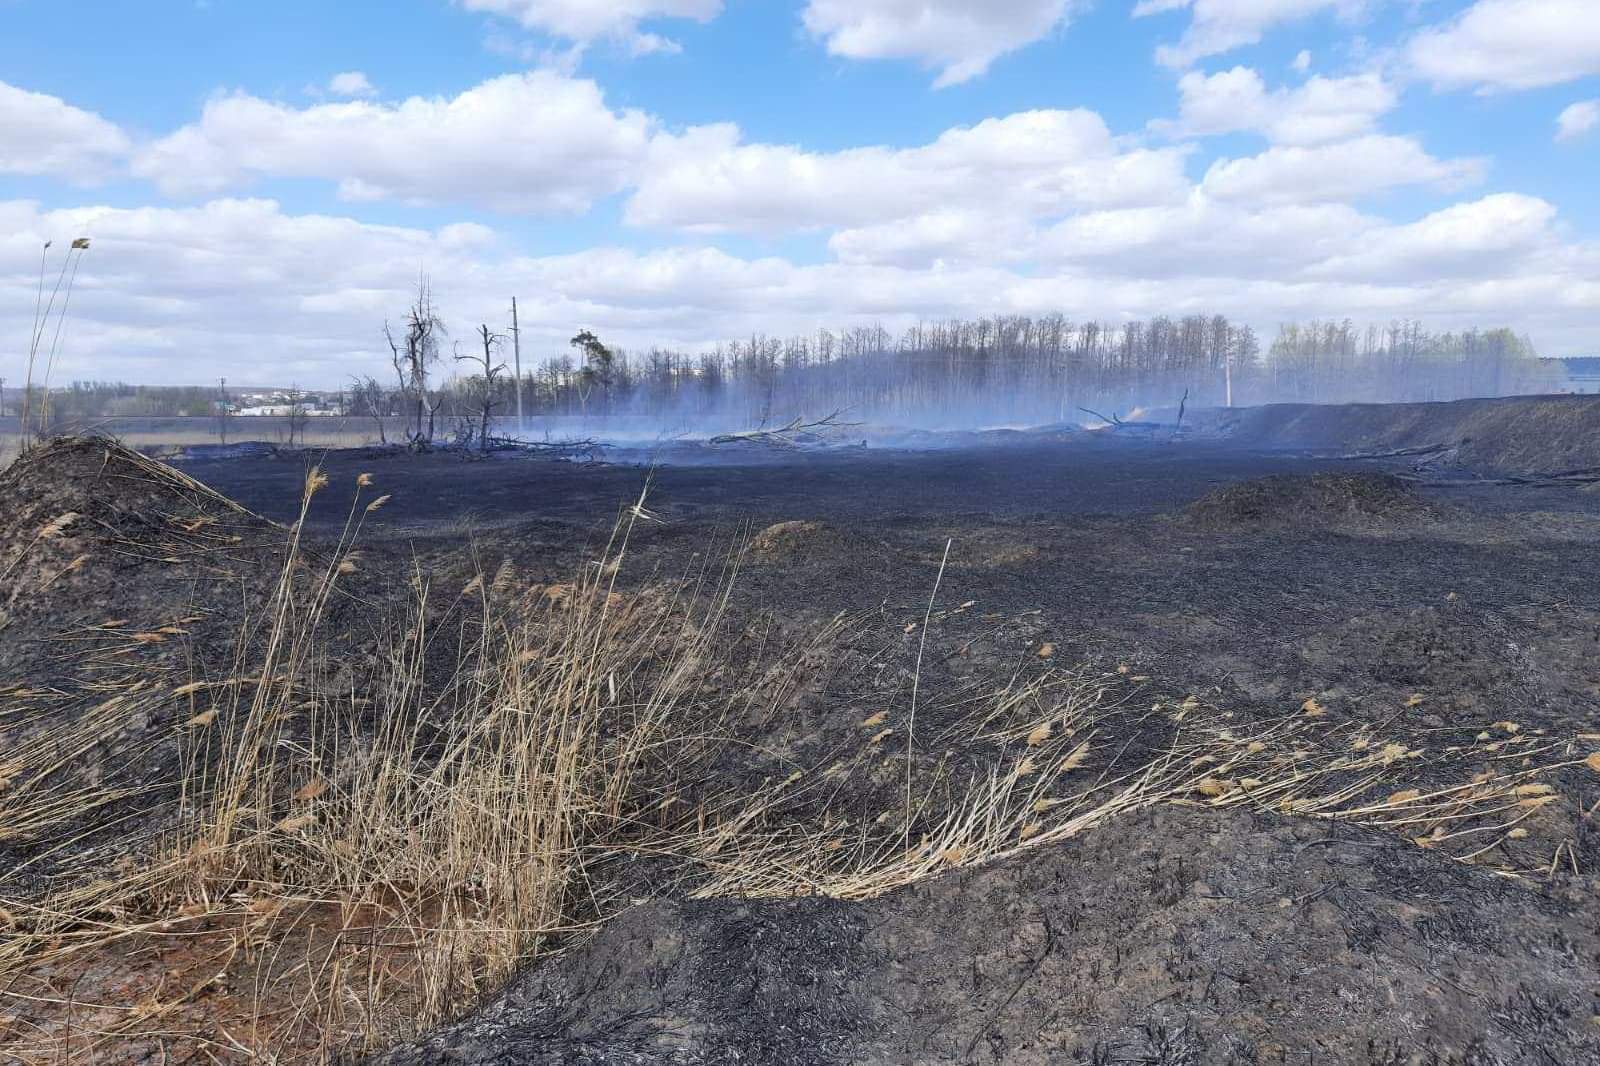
(588, 448)
(1111, 420)
(1402, 453)
(796, 434)
(1116, 422)
(1570, 478)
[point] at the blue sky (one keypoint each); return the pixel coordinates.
(676, 172)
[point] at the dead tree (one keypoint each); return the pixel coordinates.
(296, 400)
(413, 357)
(484, 385)
(368, 397)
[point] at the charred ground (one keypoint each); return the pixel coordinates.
(1319, 603)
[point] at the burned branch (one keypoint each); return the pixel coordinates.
(1110, 420)
(797, 434)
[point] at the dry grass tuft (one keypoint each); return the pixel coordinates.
(788, 540)
(350, 868)
(1069, 751)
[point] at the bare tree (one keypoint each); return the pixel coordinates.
(296, 400)
(484, 385)
(413, 358)
(368, 397)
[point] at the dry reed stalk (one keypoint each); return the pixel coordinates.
(418, 852)
(1058, 767)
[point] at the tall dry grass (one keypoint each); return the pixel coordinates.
(354, 865)
(1064, 752)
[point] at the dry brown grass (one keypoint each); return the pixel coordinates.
(784, 541)
(1071, 750)
(349, 870)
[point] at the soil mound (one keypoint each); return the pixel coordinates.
(1174, 936)
(89, 522)
(1334, 499)
(785, 541)
(114, 571)
(1522, 434)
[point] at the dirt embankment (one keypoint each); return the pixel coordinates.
(1522, 434)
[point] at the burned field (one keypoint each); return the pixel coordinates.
(1024, 747)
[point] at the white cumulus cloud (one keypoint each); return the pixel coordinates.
(1040, 162)
(1204, 236)
(958, 38)
(351, 83)
(1343, 170)
(1496, 236)
(1320, 110)
(44, 135)
(937, 238)
(1219, 26)
(1511, 44)
(1578, 120)
(537, 142)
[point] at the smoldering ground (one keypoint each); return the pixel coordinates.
(1067, 748)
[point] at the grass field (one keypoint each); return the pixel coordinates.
(143, 433)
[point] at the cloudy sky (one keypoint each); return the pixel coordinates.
(264, 182)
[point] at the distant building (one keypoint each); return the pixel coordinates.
(281, 411)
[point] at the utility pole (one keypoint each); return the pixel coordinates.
(516, 348)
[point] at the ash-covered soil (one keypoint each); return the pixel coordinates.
(1171, 937)
(1385, 500)
(1522, 434)
(1457, 625)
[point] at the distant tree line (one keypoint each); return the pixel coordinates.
(990, 370)
(1020, 368)
(82, 401)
